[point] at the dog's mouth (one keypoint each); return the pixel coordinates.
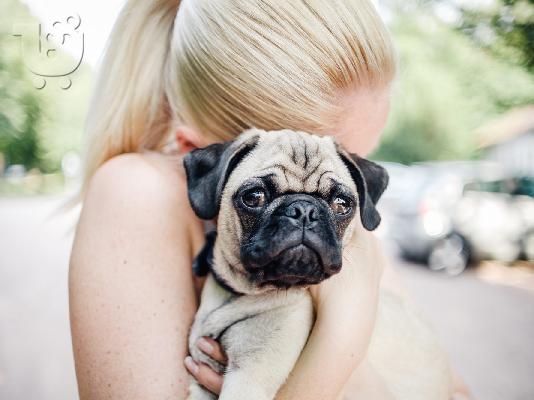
(295, 266)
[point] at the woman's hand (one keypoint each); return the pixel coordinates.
(345, 314)
(204, 375)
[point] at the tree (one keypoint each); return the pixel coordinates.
(20, 109)
(506, 28)
(447, 87)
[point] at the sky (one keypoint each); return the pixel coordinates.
(97, 18)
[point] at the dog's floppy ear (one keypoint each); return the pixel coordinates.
(207, 171)
(371, 180)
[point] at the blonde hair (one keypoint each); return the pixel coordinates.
(222, 66)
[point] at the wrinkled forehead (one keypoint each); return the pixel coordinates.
(296, 162)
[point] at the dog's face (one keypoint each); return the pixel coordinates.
(286, 203)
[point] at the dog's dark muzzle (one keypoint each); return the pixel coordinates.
(295, 244)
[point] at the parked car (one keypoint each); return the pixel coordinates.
(421, 214)
(497, 218)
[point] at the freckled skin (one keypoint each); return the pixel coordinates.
(117, 302)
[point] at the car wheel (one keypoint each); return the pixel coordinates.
(450, 254)
(528, 246)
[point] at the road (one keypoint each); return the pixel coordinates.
(487, 326)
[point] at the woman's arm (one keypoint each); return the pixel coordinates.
(346, 307)
(131, 293)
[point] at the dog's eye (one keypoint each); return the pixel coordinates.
(254, 198)
(341, 205)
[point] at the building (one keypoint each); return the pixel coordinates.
(509, 141)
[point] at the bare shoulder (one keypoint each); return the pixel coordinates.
(134, 197)
(134, 192)
(141, 179)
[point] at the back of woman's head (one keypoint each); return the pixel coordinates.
(222, 66)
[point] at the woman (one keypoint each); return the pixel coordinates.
(194, 72)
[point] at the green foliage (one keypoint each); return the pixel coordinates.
(37, 127)
(21, 146)
(447, 87)
(65, 112)
(506, 28)
(20, 107)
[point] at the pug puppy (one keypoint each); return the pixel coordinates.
(286, 203)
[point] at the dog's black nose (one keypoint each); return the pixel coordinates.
(302, 211)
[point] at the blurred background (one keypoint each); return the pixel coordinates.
(458, 216)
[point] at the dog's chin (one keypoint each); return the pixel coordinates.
(297, 266)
